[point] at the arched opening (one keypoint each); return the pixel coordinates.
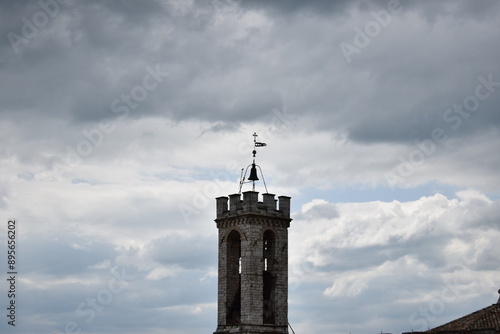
(269, 277)
(233, 278)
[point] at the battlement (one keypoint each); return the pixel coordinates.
(250, 204)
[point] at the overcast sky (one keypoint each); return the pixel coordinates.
(121, 121)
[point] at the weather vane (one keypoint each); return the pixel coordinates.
(253, 170)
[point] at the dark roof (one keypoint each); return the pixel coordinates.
(486, 319)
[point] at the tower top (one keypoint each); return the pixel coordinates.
(253, 170)
(279, 208)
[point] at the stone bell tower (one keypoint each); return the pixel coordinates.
(253, 261)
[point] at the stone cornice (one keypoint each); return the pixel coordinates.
(253, 219)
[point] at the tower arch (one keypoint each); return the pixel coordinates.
(233, 277)
(268, 277)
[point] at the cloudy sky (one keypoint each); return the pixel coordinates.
(121, 121)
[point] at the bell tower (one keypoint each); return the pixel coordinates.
(253, 260)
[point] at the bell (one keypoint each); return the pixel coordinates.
(253, 174)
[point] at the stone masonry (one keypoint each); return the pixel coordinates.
(253, 264)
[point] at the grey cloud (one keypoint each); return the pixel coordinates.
(290, 7)
(63, 255)
(79, 66)
(186, 252)
(221, 127)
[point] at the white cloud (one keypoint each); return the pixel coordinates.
(159, 273)
(393, 255)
